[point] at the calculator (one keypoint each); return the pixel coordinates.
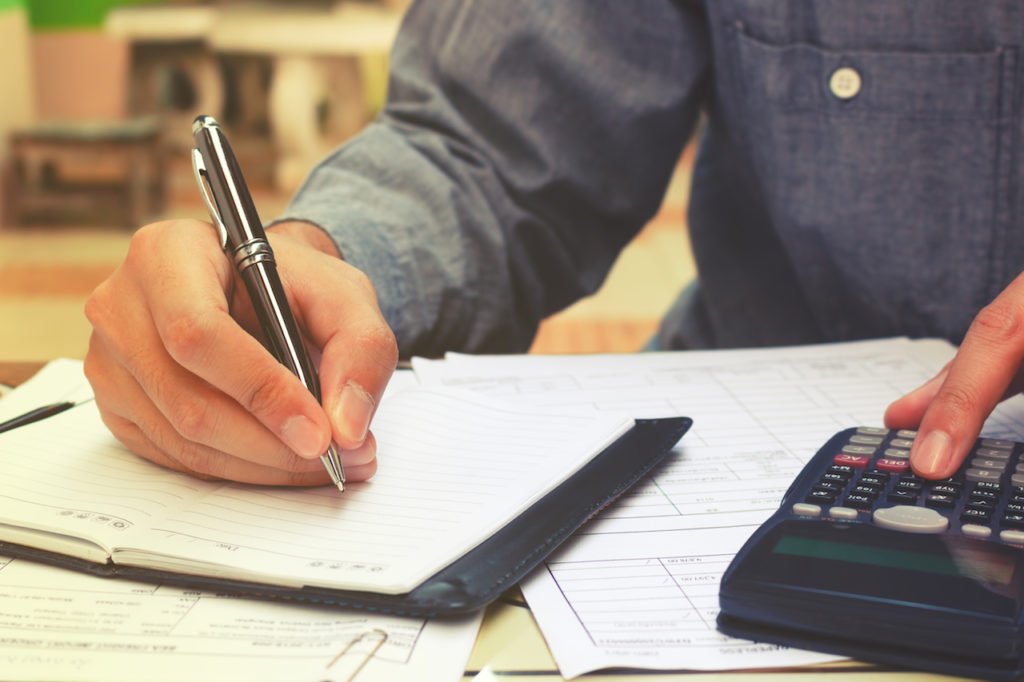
(864, 558)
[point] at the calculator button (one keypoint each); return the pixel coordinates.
(996, 443)
(821, 497)
(1017, 479)
(855, 461)
(990, 486)
(871, 483)
(946, 489)
(841, 470)
(1014, 508)
(975, 531)
(994, 464)
(906, 433)
(866, 490)
(903, 496)
(911, 519)
(1017, 499)
(907, 483)
(804, 509)
(986, 505)
(940, 501)
(901, 443)
(880, 476)
(1014, 537)
(994, 454)
(846, 513)
(1012, 520)
(866, 440)
(891, 464)
(983, 475)
(859, 501)
(859, 450)
(872, 431)
(841, 479)
(976, 516)
(897, 453)
(829, 485)
(984, 495)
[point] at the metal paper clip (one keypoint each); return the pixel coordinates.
(381, 637)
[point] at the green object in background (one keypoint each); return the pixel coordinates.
(8, 5)
(55, 15)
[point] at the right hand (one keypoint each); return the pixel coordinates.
(181, 380)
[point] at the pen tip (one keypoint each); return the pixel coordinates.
(341, 487)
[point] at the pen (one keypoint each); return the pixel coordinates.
(35, 415)
(243, 240)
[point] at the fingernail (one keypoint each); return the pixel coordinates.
(301, 435)
(934, 453)
(352, 413)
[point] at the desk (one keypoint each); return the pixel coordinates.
(510, 644)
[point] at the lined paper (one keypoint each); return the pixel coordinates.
(454, 468)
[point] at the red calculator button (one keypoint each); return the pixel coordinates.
(897, 465)
(851, 460)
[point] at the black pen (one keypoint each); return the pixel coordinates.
(36, 415)
(243, 240)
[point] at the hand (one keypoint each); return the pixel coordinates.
(949, 410)
(181, 379)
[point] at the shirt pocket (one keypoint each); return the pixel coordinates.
(887, 173)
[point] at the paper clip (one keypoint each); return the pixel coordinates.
(381, 637)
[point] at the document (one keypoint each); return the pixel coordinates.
(454, 468)
(638, 587)
(58, 625)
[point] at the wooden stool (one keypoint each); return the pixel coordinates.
(109, 172)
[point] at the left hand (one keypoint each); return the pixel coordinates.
(949, 410)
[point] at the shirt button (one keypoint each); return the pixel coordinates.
(844, 83)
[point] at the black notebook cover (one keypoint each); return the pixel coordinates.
(480, 575)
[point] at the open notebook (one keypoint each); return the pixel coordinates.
(470, 494)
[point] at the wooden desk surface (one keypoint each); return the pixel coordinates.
(510, 645)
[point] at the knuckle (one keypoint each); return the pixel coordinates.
(186, 338)
(957, 399)
(379, 342)
(264, 396)
(192, 418)
(999, 323)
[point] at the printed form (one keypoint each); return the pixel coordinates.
(638, 587)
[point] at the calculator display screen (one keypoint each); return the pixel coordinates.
(949, 571)
(974, 562)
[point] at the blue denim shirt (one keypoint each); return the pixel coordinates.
(524, 143)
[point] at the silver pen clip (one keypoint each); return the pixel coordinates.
(199, 168)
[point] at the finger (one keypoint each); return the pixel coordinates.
(906, 412)
(145, 432)
(191, 317)
(359, 352)
(980, 374)
(200, 413)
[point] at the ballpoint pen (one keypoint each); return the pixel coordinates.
(241, 236)
(35, 415)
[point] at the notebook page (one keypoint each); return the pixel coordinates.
(454, 467)
(67, 475)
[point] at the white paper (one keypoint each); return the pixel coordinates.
(638, 587)
(57, 625)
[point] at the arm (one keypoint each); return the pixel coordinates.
(521, 147)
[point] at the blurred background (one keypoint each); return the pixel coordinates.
(96, 104)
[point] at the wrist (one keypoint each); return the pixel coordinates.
(310, 234)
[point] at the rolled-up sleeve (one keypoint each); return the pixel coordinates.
(522, 145)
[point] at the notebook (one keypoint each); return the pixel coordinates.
(471, 493)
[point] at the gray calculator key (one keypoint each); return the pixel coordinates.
(804, 509)
(901, 443)
(910, 519)
(906, 433)
(1017, 479)
(993, 454)
(975, 531)
(996, 443)
(975, 474)
(1020, 468)
(995, 464)
(858, 450)
(848, 513)
(866, 440)
(898, 453)
(1015, 537)
(872, 431)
